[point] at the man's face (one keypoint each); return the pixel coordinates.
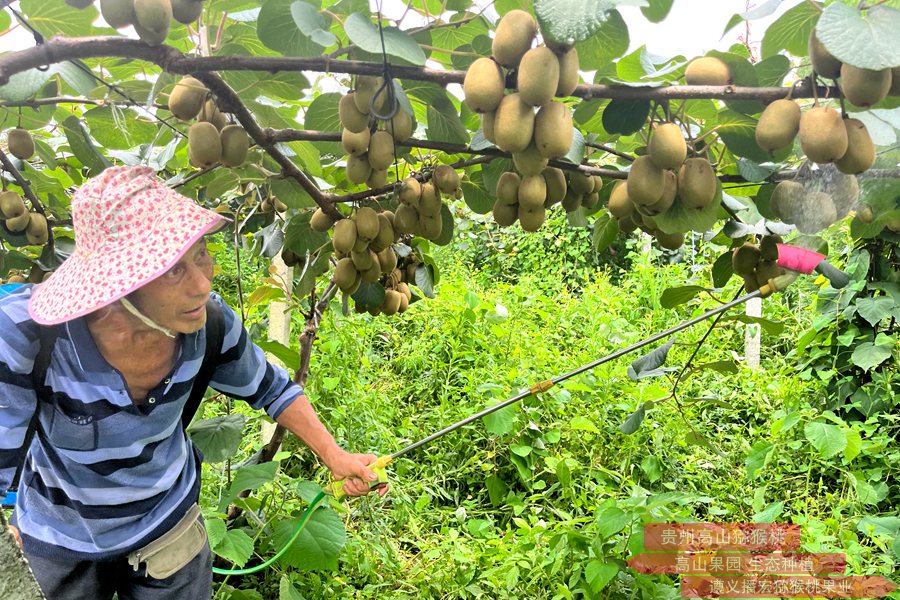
(177, 298)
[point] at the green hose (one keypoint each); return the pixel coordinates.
(312, 506)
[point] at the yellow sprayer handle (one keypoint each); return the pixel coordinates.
(336, 488)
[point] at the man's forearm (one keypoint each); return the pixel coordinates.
(300, 418)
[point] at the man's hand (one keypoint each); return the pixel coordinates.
(15, 531)
(355, 469)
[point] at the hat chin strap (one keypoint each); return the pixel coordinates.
(144, 318)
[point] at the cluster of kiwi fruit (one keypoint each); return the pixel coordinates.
(363, 247)
(368, 140)
(809, 204)
(211, 139)
(862, 87)
(151, 18)
(757, 264)
(397, 296)
(657, 180)
(18, 219)
(527, 120)
(20, 143)
(419, 212)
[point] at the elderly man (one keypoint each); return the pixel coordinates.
(110, 482)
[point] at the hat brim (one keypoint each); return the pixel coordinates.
(86, 282)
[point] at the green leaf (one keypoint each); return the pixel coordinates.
(497, 489)
(634, 420)
(235, 546)
(719, 366)
(769, 513)
(722, 270)
(610, 42)
(606, 230)
(854, 444)
(679, 219)
(287, 590)
(83, 147)
(611, 521)
(869, 355)
(322, 115)
(826, 438)
(318, 545)
(300, 238)
(867, 41)
(397, 43)
(312, 24)
(874, 310)
(369, 295)
(500, 422)
(791, 31)
(576, 150)
(55, 17)
(758, 457)
(474, 193)
(571, 21)
(581, 423)
(278, 30)
(444, 125)
(289, 358)
(770, 72)
(446, 235)
(425, 280)
(672, 297)
(738, 132)
(657, 10)
(879, 526)
(599, 573)
(768, 326)
(754, 172)
(24, 85)
(116, 128)
(218, 438)
(626, 116)
(652, 468)
(649, 364)
(249, 478)
(215, 530)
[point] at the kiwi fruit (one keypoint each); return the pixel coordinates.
(538, 76)
(381, 150)
(768, 247)
(487, 127)
(363, 260)
(505, 214)
(696, 183)
(572, 200)
(430, 201)
(626, 224)
(778, 125)
(823, 136)
(865, 214)
(187, 98)
(350, 116)
(406, 219)
(446, 179)
(367, 224)
(590, 201)
(18, 223)
(823, 62)
(79, 4)
(767, 270)
(366, 89)
(345, 275)
(555, 181)
(532, 193)
(619, 204)
(344, 238)
(12, 205)
(387, 260)
(186, 11)
(235, 144)
(36, 231)
(532, 219)
(645, 181)
(508, 188)
(860, 154)
(152, 20)
(670, 241)
(400, 126)
(320, 221)
(529, 161)
(787, 200)
(483, 85)
(553, 130)
(377, 179)
(204, 145)
(392, 299)
(410, 191)
(118, 13)
(568, 72)
(895, 82)
(386, 234)
(513, 38)
(670, 190)
(358, 168)
(667, 148)
(20, 143)
(355, 143)
(581, 183)
(865, 87)
(819, 212)
(430, 226)
(707, 70)
(513, 124)
(744, 259)
(210, 113)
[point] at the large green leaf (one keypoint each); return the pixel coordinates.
(318, 545)
(571, 21)
(55, 17)
(83, 147)
(826, 438)
(312, 23)
(867, 41)
(606, 230)
(791, 31)
(672, 297)
(300, 238)
(116, 128)
(277, 29)
(608, 43)
(218, 438)
(477, 198)
(868, 355)
(634, 420)
(599, 573)
(446, 235)
(396, 43)
(235, 546)
(738, 132)
(444, 125)
(249, 478)
(625, 116)
(874, 310)
(24, 85)
(657, 10)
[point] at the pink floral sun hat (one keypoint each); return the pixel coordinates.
(130, 228)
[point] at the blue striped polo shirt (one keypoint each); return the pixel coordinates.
(104, 477)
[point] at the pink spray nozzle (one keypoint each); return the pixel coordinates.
(807, 261)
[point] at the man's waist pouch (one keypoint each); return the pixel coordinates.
(170, 552)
